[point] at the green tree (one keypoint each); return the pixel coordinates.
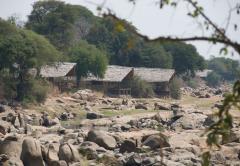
(186, 59)
(213, 79)
(154, 55)
(125, 48)
(22, 50)
(89, 59)
(227, 68)
(63, 24)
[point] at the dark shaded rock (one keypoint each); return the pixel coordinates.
(156, 141)
(89, 150)
(134, 160)
(211, 119)
(125, 127)
(2, 108)
(159, 106)
(141, 106)
(128, 146)
(3, 158)
(94, 115)
(4, 127)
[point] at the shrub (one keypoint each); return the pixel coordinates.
(213, 79)
(193, 83)
(175, 85)
(141, 88)
(37, 91)
(8, 86)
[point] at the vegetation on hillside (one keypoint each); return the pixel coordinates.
(65, 25)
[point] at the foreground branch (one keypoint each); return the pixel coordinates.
(214, 40)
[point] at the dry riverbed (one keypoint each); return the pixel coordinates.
(86, 128)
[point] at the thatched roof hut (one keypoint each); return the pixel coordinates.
(154, 75)
(203, 74)
(113, 74)
(59, 69)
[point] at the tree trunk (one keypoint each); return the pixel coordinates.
(78, 79)
(20, 87)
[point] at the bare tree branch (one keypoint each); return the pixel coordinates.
(214, 40)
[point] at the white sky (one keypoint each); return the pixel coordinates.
(150, 20)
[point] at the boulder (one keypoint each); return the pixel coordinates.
(2, 108)
(11, 146)
(156, 141)
(211, 119)
(189, 121)
(66, 116)
(11, 161)
(134, 160)
(94, 115)
(31, 152)
(4, 127)
(141, 106)
(102, 139)
(11, 117)
(234, 136)
(128, 146)
(89, 150)
(160, 106)
(3, 158)
(51, 154)
(58, 163)
(85, 94)
(68, 153)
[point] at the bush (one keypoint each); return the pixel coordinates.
(213, 79)
(193, 83)
(36, 91)
(175, 85)
(141, 88)
(8, 87)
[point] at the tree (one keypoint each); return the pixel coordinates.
(186, 59)
(126, 49)
(63, 24)
(22, 50)
(154, 55)
(228, 69)
(213, 79)
(89, 59)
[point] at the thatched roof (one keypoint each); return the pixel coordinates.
(118, 73)
(113, 74)
(57, 69)
(154, 74)
(203, 73)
